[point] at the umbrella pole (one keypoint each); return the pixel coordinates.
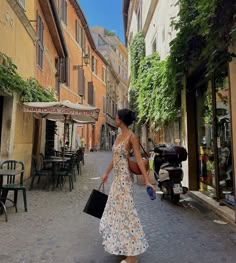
(72, 131)
(64, 138)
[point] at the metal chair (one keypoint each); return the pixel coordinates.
(39, 172)
(11, 184)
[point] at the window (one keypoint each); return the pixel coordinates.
(94, 64)
(104, 105)
(63, 11)
(163, 35)
(90, 93)
(40, 42)
(82, 39)
(22, 3)
(81, 82)
(68, 71)
(154, 46)
(77, 31)
(139, 20)
(88, 52)
(104, 74)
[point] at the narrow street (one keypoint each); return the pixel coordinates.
(56, 230)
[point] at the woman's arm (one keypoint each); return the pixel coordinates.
(135, 145)
(108, 170)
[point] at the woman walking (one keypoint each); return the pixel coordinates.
(120, 226)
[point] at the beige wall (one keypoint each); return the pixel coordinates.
(18, 44)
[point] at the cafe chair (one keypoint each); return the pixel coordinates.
(12, 184)
(67, 171)
(4, 209)
(38, 171)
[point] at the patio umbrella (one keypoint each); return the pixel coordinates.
(63, 111)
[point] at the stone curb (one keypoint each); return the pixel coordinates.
(222, 211)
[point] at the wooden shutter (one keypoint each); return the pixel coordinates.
(62, 70)
(104, 104)
(77, 31)
(65, 13)
(40, 29)
(90, 93)
(67, 67)
(81, 82)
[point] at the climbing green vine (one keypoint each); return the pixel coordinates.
(137, 53)
(152, 92)
(11, 82)
(205, 31)
(156, 97)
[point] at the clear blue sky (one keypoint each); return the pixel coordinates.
(105, 13)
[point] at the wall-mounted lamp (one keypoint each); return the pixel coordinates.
(86, 60)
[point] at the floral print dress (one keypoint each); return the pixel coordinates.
(120, 226)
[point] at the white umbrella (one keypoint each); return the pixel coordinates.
(63, 111)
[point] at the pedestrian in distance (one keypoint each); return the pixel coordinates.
(120, 226)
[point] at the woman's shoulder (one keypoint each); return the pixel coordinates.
(133, 136)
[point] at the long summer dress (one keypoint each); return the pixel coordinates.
(120, 226)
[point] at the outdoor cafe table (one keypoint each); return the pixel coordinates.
(55, 162)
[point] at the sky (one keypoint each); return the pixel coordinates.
(105, 13)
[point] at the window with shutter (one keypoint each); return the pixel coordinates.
(88, 52)
(81, 37)
(94, 64)
(62, 70)
(90, 93)
(83, 41)
(67, 68)
(40, 29)
(77, 29)
(81, 82)
(63, 11)
(94, 97)
(104, 104)
(104, 77)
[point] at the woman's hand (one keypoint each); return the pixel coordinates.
(104, 177)
(149, 184)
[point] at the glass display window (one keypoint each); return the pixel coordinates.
(224, 141)
(205, 139)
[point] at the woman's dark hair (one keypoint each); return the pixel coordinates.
(127, 116)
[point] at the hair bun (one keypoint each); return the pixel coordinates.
(133, 115)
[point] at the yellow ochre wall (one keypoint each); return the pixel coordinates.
(19, 45)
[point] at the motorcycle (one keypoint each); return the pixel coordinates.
(168, 170)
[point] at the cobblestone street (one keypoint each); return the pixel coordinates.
(56, 230)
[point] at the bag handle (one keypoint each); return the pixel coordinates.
(147, 155)
(102, 185)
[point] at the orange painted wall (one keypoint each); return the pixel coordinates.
(100, 92)
(46, 75)
(71, 92)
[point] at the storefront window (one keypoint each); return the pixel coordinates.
(214, 140)
(205, 138)
(224, 141)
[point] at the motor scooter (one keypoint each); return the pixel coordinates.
(168, 170)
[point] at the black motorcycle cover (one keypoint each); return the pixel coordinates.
(172, 153)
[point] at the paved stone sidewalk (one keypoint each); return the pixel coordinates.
(56, 230)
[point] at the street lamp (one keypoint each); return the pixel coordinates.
(86, 60)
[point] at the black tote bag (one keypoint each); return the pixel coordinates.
(96, 202)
